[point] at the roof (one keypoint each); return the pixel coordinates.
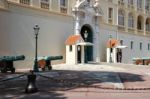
(112, 43)
(73, 39)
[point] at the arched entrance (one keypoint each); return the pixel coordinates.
(88, 49)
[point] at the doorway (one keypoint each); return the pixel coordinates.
(88, 49)
(79, 53)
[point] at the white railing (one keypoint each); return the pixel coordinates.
(26, 2)
(63, 9)
(121, 28)
(140, 31)
(44, 5)
(131, 30)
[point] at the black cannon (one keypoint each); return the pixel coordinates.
(6, 63)
(45, 61)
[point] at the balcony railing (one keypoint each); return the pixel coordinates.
(44, 5)
(26, 2)
(131, 30)
(63, 9)
(130, 6)
(121, 3)
(148, 33)
(140, 9)
(140, 32)
(110, 21)
(147, 11)
(121, 28)
(2, 3)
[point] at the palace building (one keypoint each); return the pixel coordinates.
(77, 29)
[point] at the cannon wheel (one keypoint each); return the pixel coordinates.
(3, 70)
(3, 67)
(48, 64)
(49, 67)
(13, 70)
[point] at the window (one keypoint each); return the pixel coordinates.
(130, 2)
(140, 45)
(148, 24)
(27, 2)
(63, 6)
(45, 4)
(110, 15)
(110, 0)
(140, 22)
(121, 1)
(131, 45)
(70, 48)
(139, 3)
(63, 3)
(121, 17)
(147, 4)
(130, 21)
(148, 46)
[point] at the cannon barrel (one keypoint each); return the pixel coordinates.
(12, 58)
(53, 58)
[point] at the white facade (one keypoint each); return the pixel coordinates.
(71, 56)
(17, 22)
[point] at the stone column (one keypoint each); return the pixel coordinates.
(143, 5)
(114, 55)
(97, 40)
(144, 25)
(135, 23)
(126, 21)
(82, 54)
(77, 23)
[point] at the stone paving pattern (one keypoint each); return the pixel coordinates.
(80, 81)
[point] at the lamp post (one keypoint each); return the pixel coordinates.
(85, 36)
(110, 57)
(36, 31)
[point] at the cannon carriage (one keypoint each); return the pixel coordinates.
(6, 63)
(45, 61)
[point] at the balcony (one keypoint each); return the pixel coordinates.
(121, 28)
(63, 9)
(44, 5)
(131, 30)
(2, 3)
(148, 33)
(26, 2)
(122, 4)
(141, 32)
(131, 7)
(147, 9)
(110, 21)
(140, 9)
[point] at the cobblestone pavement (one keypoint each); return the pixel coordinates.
(90, 81)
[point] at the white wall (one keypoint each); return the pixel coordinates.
(17, 35)
(127, 53)
(135, 52)
(71, 55)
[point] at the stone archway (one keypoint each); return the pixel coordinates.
(89, 49)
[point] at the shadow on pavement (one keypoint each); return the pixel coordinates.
(50, 82)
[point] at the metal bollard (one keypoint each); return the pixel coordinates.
(31, 85)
